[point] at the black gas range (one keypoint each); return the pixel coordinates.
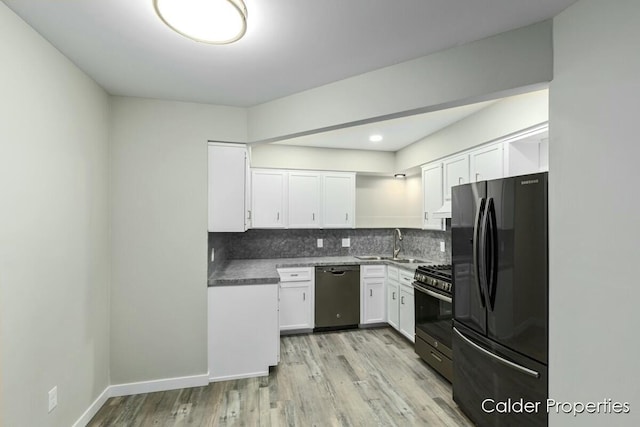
(433, 313)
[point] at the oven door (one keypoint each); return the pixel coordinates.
(434, 329)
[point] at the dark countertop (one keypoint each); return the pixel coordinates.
(264, 271)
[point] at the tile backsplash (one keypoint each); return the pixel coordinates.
(292, 243)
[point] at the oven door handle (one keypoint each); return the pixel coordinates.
(497, 358)
(431, 293)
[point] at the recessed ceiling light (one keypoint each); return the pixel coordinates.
(375, 138)
(400, 175)
(208, 21)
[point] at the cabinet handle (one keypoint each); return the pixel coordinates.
(278, 216)
(294, 274)
(459, 180)
(313, 216)
(436, 357)
(402, 300)
(426, 216)
(346, 216)
(393, 296)
(370, 292)
(477, 176)
(249, 214)
(304, 296)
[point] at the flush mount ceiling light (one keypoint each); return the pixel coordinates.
(375, 138)
(207, 21)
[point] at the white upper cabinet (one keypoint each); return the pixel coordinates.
(268, 192)
(527, 153)
(456, 172)
(432, 196)
(228, 168)
(338, 200)
(304, 199)
(486, 163)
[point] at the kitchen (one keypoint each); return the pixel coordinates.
(155, 252)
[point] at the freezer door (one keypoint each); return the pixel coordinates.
(515, 229)
(469, 301)
(496, 387)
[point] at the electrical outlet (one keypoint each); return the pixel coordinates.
(213, 254)
(346, 242)
(442, 246)
(53, 398)
(320, 243)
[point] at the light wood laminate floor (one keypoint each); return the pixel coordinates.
(360, 377)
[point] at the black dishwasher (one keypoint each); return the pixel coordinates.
(337, 297)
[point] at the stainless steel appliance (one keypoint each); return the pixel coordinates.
(500, 298)
(433, 315)
(337, 298)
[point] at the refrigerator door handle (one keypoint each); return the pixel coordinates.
(492, 265)
(497, 358)
(476, 250)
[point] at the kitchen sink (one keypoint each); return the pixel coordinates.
(388, 258)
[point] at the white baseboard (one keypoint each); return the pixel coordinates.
(159, 385)
(239, 377)
(138, 388)
(93, 409)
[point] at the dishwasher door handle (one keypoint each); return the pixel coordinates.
(338, 273)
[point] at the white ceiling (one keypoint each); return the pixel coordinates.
(396, 133)
(290, 45)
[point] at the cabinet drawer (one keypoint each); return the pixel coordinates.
(406, 278)
(392, 273)
(372, 270)
(295, 274)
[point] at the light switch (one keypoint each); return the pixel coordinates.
(442, 246)
(346, 242)
(320, 243)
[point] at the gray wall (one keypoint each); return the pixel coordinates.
(159, 229)
(54, 224)
(593, 210)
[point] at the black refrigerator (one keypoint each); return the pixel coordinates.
(500, 300)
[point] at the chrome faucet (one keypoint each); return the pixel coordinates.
(397, 238)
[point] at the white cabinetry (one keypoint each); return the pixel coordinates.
(296, 299)
(407, 310)
(338, 200)
(432, 196)
(486, 163)
(527, 153)
(456, 172)
(393, 298)
(372, 300)
(228, 183)
(268, 190)
(304, 200)
(243, 331)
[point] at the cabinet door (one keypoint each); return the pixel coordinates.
(339, 200)
(432, 196)
(456, 172)
(486, 163)
(227, 187)
(304, 200)
(393, 304)
(295, 306)
(374, 299)
(407, 314)
(268, 198)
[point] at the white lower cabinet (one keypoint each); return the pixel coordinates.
(296, 299)
(393, 301)
(372, 296)
(243, 331)
(400, 305)
(407, 313)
